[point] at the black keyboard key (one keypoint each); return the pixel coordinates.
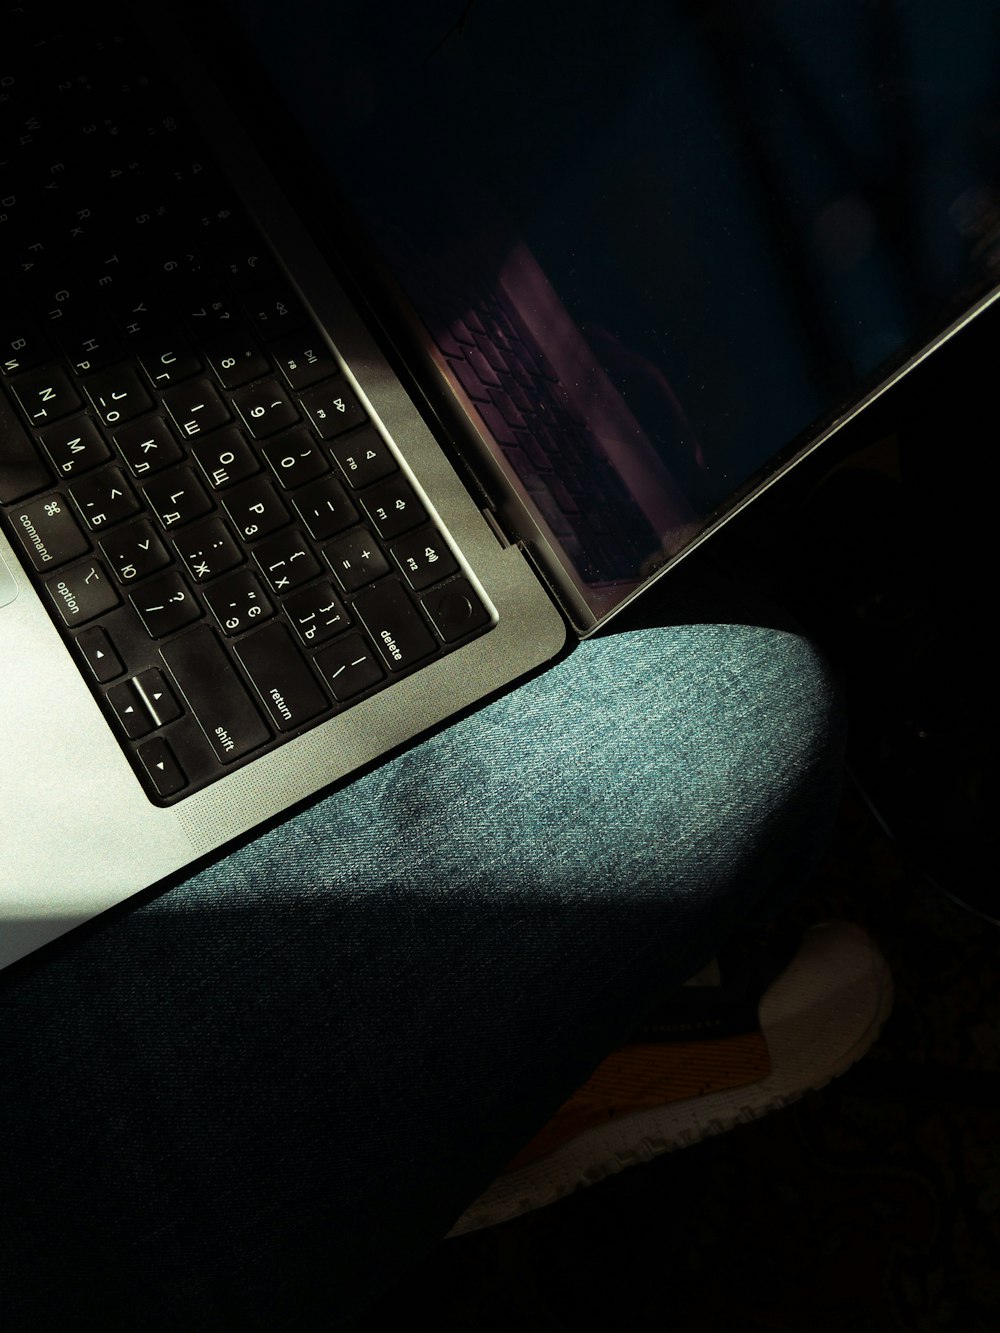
(455, 610)
(46, 394)
(100, 653)
(161, 767)
(255, 509)
(206, 317)
(349, 667)
(317, 613)
(195, 408)
(207, 548)
(117, 395)
(394, 624)
(424, 558)
(333, 408)
(265, 408)
(281, 677)
(167, 358)
(158, 697)
(248, 265)
(236, 358)
(286, 560)
(22, 472)
(214, 694)
(22, 347)
(164, 604)
(140, 313)
(325, 509)
(303, 358)
(130, 709)
(104, 497)
(81, 592)
(74, 446)
(177, 497)
(295, 458)
(238, 602)
(356, 559)
(274, 310)
(147, 446)
(134, 551)
(48, 532)
(364, 457)
(88, 345)
(225, 458)
(393, 507)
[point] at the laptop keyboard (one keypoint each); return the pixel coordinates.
(227, 542)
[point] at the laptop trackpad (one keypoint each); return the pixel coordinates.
(8, 586)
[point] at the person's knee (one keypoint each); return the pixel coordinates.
(752, 728)
(702, 745)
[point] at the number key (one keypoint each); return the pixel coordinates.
(295, 459)
(265, 408)
(236, 358)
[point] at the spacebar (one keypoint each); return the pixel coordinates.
(215, 694)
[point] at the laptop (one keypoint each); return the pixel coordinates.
(353, 365)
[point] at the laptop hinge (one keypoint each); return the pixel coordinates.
(493, 520)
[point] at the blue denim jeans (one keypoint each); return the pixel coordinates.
(255, 1098)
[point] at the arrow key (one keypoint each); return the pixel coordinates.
(161, 767)
(97, 648)
(158, 696)
(130, 709)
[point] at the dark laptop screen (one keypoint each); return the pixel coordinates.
(676, 238)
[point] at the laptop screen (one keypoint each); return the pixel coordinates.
(659, 247)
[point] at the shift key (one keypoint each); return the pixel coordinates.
(215, 694)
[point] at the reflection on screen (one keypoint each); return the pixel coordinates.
(656, 244)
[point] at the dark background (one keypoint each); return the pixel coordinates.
(873, 1205)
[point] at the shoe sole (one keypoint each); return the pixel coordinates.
(819, 1017)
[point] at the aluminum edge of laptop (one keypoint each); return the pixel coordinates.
(79, 833)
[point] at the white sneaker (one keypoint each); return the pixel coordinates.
(815, 1019)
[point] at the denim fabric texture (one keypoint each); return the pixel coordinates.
(260, 1095)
